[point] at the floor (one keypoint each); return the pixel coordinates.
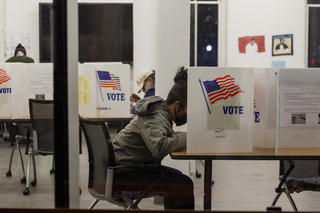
(238, 185)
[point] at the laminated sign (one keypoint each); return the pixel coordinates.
(222, 119)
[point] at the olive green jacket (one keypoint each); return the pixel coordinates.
(22, 59)
(149, 137)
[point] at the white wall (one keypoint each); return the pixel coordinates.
(161, 39)
(23, 17)
(268, 18)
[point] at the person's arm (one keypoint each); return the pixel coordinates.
(133, 110)
(134, 97)
(157, 134)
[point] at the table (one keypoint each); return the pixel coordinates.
(257, 154)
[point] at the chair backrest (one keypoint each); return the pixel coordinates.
(41, 114)
(101, 154)
(302, 169)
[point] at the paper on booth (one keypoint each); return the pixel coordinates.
(87, 94)
(40, 81)
(298, 124)
(220, 110)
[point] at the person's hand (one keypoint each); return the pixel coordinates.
(134, 97)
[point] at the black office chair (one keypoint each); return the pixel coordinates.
(300, 175)
(102, 168)
(41, 114)
(20, 135)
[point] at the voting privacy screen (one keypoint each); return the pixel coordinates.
(220, 110)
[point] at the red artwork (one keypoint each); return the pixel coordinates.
(251, 43)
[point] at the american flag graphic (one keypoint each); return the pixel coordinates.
(3, 76)
(107, 79)
(221, 88)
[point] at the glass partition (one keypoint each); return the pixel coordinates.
(237, 185)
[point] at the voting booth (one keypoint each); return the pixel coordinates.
(112, 89)
(104, 89)
(298, 108)
(220, 110)
(5, 91)
(28, 81)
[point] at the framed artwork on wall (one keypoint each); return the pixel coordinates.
(282, 45)
(251, 44)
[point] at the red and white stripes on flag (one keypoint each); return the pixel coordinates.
(3, 76)
(221, 88)
(109, 80)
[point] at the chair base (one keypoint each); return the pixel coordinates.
(282, 188)
(16, 145)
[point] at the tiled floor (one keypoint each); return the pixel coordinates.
(239, 185)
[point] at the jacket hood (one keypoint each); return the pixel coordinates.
(151, 105)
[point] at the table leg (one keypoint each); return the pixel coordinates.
(207, 184)
(120, 126)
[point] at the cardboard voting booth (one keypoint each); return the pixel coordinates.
(5, 91)
(298, 108)
(113, 89)
(220, 110)
(104, 89)
(19, 83)
(265, 107)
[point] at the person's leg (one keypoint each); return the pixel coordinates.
(180, 189)
(178, 186)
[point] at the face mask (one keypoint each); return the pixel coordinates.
(148, 87)
(182, 119)
(19, 53)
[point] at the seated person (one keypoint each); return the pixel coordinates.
(20, 55)
(145, 81)
(148, 138)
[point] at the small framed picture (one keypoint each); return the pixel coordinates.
(282, 45)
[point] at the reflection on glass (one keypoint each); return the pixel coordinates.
(207, 35)
(314, 39)
(192, 10)
(45, 22)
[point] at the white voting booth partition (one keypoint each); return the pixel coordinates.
(298, 108)
(113, 89)
(29, 81)
(104, 89)
(5, 91)
(265, 107)
(220, 110)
